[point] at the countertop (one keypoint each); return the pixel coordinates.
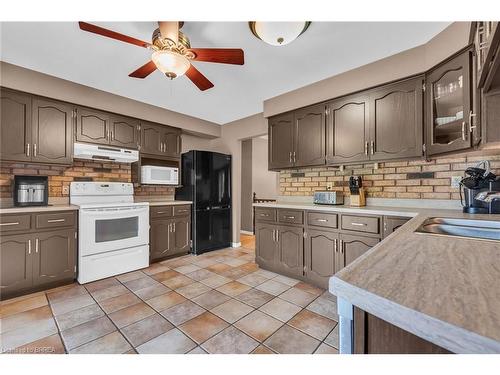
(167, 203)
(441, 288)
(20, 210)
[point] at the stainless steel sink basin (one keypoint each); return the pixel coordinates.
(468, 228)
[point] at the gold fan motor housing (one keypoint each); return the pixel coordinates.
(182, 46)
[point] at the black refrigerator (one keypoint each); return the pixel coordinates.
(206, 181)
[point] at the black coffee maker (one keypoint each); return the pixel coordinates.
(475, 186)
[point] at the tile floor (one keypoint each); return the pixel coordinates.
(219, 302)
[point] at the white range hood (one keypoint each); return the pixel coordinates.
(105, 153)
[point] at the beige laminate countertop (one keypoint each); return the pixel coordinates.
(441, 288)
(20, 210)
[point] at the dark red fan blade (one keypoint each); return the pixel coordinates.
(112, 34)
(144, 70)
(220, 55)
(198, 79)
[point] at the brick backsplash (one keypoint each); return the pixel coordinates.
(83, 170)
(413, 179)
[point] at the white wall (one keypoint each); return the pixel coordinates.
(265, 183)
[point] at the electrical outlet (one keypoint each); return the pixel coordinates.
(329, 185)
(455, 181)
(65, 190)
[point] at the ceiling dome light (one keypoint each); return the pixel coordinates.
(171, 63)
(278, 33)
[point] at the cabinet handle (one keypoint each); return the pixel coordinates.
(274, 235)
(174, 227)
(28, 150)
(34, 149)
(29, 247)
(9, 224)
(471, 115)
(463, 131)
(341, 246)
(56, 220)
(366, 148)
(36, 246)
(335, 246)
(277, 236)
(160, 212)
(359, 224)
(322, 220)
(289, 217)
(180, 211)
(385, 226)
(290, 157)
(294, 157)
(373, 147)
(264, 215)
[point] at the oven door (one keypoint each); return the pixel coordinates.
(113, 228)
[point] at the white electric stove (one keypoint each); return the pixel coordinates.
(113, 231)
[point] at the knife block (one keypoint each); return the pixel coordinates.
(358, 200)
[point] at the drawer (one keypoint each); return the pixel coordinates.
(182, 210)
(161, 211)
(11, 223)
(55, 220)
(291, 216)
(321, 219)
(367, 224)
(265, 214)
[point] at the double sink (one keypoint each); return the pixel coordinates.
(466, 228)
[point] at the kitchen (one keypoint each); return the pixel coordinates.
(121, 218)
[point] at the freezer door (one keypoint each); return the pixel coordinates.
(221, 227)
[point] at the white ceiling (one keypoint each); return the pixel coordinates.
(327, 48)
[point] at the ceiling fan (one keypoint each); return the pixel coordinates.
(172, 53)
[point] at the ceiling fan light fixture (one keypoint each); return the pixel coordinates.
(278, 33)
(171, 63)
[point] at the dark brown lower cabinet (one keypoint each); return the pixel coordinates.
(170, 234)
(291, 250)
(352, 247)
(373, 335)
(392, 223)
(55, 256)
(266, 247)
(15, 264)
(320, 256)
(32, 260)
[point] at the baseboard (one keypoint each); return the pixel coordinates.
(235, 244)
(248, 233)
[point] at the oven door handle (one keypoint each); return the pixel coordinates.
(116, 209)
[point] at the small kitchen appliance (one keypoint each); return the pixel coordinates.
(155, 175)
(357, 191)
(328, 197)
(113, 230)
(478, 188)
(31, 191)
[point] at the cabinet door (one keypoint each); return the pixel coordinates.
(309, 136)
(352, 247)
(291, 250)
(172, 143)
(321, 249)
(266, 247)
(151, 139)
(281, 142)
(15, 264)
(392, 223)
(448, 103)
(347, 130)
(15, 124)
(396, 121)
(182, 234)
(92, 126)
(124, 132)
(161, 239)
(52, 135)
(55, 257)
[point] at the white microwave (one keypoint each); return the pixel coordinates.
(151, 174)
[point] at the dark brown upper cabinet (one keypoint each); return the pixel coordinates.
(309, 137)
(15, 112)
(52, 137)
(92, 126)
(347, 135)
(448, 106)
(172, 142)
(160, 140)
(124, 132)
(97, 127)
(281, 141)
(396, 120)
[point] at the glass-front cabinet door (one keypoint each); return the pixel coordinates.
(448, 92)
